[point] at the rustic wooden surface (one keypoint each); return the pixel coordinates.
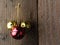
(49, 22)
(28, 11)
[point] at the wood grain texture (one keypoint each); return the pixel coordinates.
(28, 12)
(49, 22)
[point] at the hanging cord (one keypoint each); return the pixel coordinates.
(17, 7)
(18, 11)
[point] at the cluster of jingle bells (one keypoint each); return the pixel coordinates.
(18, 31)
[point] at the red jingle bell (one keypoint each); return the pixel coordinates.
(17, 33)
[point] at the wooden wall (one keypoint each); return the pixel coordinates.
(28, 11)
(49, 22)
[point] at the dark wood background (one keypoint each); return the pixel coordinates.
(28, 12)
(49, 22)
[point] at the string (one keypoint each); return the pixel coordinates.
(18, 11)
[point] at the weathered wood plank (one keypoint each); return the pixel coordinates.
(28, 11)
(49, 22)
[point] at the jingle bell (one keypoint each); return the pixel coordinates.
(25, 25)
(17, 33)
(11, 24)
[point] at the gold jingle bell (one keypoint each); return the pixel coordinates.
(11, 24)
(25, 25)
